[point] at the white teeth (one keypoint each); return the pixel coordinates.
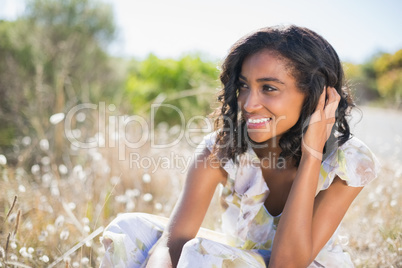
(256, 121)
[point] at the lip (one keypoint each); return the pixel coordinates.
(255, 125)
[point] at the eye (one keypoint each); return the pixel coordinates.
(268, 88)
(242, 85)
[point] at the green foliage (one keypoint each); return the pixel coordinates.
(51, 59)
(388, 70)
(387, 62)
(353, 71)
(187, 83)
(379, 77)
(390, 84)
(87, 18)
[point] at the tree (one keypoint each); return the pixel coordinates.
(189, 84)
(388, 69)
(53, 58)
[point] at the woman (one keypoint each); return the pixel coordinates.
(283, 152)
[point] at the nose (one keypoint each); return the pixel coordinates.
(251, 102)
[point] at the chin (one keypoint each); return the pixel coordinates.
(259, 137)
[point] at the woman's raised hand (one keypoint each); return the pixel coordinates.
(321, 123)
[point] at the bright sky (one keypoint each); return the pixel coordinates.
(357, 29)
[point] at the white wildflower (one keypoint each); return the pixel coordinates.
(23, 250)
(106, 169)
(3, 160)
(72, 205)
(132, 193)
(44, 258)
(96, 156)
(59, 221)
(158, 206)
(24, 253)
(146, 178)
(21, 188)
(54, 188)
(43, 235)
(28, 225)
(56, 118)
(26, 140)
(121, 199)
(78, 172)
(130, 206)
(2, 253)
(63, 169)
(147, 197)
(85, 260)
(45, 160)
(46, 179)
(85, 220)
(64, 234)
(80, 117)
(115, 180)
(50, 228)
(35, 169)
(44, 144)
(87, 229)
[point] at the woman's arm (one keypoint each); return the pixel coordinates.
(203, 177)
(307, 221)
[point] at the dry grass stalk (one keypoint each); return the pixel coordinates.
(17, 264)
(80, 244)
(17, 222)
(72, 217)
(11, 209)
(7, 243)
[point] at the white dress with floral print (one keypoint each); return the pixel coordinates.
(249, 229)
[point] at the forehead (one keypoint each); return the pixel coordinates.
(266, 62)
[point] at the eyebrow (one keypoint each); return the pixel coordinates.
(264, 79)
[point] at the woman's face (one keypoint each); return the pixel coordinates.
(269, 99)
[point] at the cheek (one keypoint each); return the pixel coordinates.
(298, 104)
(296, 112)
(291, 111)
(241, 98)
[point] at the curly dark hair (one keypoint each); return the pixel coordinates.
(311, 60)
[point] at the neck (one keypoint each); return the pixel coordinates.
(269, 154)
(267, 148)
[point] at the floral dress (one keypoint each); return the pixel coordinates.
(248, 228)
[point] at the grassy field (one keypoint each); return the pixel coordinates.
(52, 215)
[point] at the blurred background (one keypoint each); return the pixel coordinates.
(102, 104)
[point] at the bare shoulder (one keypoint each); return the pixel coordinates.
(206, 164)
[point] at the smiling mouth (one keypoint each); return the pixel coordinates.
(258, 121)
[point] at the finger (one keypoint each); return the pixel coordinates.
(330, 94)
(333, 102)
(321, 100)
